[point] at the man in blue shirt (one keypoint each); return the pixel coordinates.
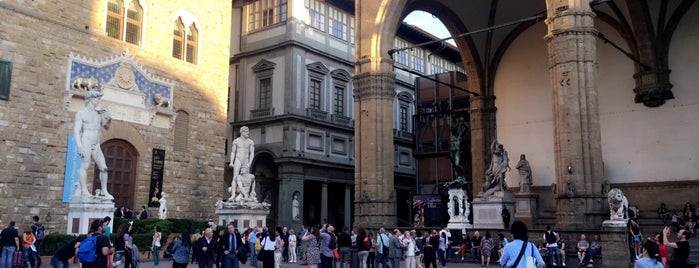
(252, 239)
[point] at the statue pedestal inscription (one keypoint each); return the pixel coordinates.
(244, 217)
(458, 210)
(82, 212)
(526, 207)
(489, 211)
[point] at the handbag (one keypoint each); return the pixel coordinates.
(521, 253)
(531, 260)
(336, 254)
(260, 256)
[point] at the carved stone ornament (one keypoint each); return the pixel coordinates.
(125, 77)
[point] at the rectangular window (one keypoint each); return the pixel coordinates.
(400, 56)
(316, 14)
(5, 75)
(351, 31)
(403, 119)
(265, 100)
(263, 13)
(416, 55)
(339, 101)
(314, 94)
(337, 23)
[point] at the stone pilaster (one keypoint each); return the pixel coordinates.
(571, 41)
(287, 187)
(375, 204)
(482, 122)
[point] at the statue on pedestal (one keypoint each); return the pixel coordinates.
(618, 205)
(86, 130)
(525, 174)
(162, 210)
(495, 174)
(242, 187)
(242, 153)
(295, 213)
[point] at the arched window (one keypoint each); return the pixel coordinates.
(185, 48)
(192, 40)
(125, 22)
(181, 131)
(178, 39)
(121, 158)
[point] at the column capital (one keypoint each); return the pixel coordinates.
(374, 86)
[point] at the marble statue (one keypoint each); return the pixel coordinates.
(86, 130)
(456, 151)
(525, 174)
(618, 205)
(451, 209)
(244, 190)
(162, 210)
(242, 153)
(295, 213)
(495, 174)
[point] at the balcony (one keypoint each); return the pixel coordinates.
(342, 120)
(263, 112)
(405, 135)
(317, 114)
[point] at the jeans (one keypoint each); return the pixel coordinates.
(380, 259)
(553, 252)
(442, 257)
(28, 256)
(230, 260)
(7, 256)
(58, 263)
(37, 245)
(156, 256)
(207, 263)
(253, 255)
(476, 253)
(363, 255)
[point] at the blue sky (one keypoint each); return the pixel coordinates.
(428, 23)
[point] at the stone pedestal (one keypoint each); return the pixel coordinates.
(245, 217)
(488, 210)
(82, 212)
(616, 244)
(458, 202)
(526, 207)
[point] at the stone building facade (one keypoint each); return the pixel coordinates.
(163, 69)
(294, 84)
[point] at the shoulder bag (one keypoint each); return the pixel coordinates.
(521, 253)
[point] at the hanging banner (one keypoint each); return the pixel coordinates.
(156, 177)
(70, 177)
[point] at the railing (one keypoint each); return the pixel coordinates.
(317, 114)
(402, 134)
(342, 120)
(263, 112)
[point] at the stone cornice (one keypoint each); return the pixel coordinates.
(374, 86)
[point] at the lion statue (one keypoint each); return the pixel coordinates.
(161, 101)
(618, 205)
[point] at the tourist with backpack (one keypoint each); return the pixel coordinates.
(93, 251)
(9, 239)
(39, 233)
(62, 255)
(554, 255)
(363, 247)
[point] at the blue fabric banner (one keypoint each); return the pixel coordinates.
(72, 166)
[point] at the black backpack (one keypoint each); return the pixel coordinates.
(39, 232)
(550, 237)
(333, 241)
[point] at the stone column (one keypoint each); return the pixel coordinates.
(373, 136)
(324, 203)
(571, 41)
(348, 206)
